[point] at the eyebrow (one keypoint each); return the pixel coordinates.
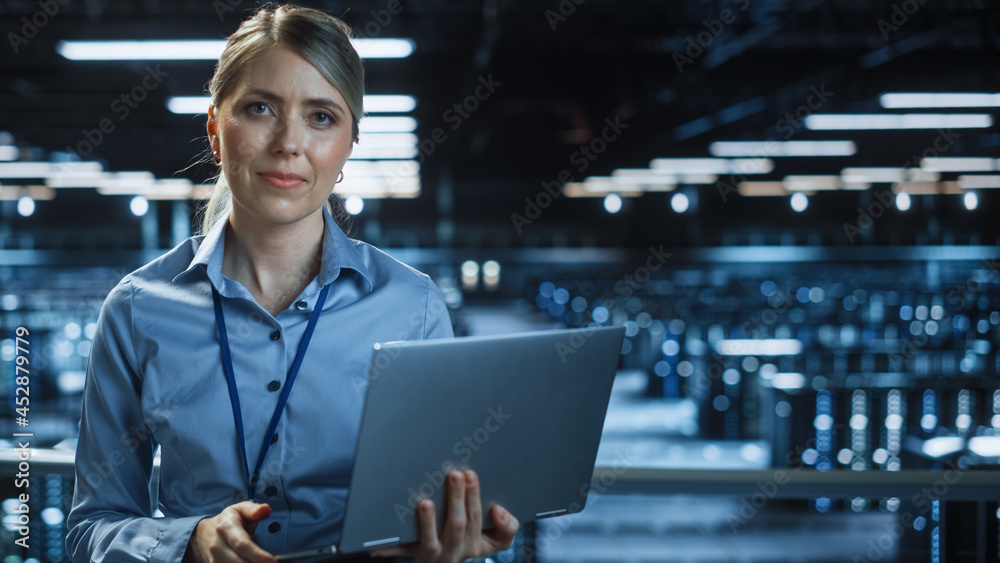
(310, 101)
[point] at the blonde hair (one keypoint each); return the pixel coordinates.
(316, 36)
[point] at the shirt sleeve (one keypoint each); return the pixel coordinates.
(111, 517)
(437, 319)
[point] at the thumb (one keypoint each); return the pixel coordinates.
(252, 511)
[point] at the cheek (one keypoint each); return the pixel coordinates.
(242, 142)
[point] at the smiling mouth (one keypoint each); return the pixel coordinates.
(282, 180)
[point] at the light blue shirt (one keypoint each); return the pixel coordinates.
(155, 378)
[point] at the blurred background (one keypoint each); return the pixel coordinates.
(791, 206)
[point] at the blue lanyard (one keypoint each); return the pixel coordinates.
(234, 396)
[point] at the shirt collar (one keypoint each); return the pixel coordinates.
(339, 252)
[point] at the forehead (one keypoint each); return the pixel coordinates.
(284, 72)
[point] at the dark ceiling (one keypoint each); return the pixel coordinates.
(563, 68)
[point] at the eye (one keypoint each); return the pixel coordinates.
(323, 117)
(257, 108)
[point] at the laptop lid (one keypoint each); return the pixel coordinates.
(525, 411)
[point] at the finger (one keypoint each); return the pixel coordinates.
(427, 523)
(453, 535)
(502, 536)
(237, 537)
(474, 515)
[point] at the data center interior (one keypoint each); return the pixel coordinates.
(790, 206)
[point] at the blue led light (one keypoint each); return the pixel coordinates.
(560, 296)
(802, 295)
(546, 289)
(601, 314)
(768, 287)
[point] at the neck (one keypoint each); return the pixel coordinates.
(274, 262)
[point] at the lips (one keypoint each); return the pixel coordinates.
(285, 180)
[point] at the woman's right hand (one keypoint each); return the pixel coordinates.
(226, 537)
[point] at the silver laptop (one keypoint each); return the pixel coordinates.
(525, 411)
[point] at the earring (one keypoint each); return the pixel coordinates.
(341, 178)
(216, 158)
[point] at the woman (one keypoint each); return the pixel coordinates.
(243, 473)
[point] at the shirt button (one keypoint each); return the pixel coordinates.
(273, 527)
(273, 386)
(276, 335)
(274, 439)
(301, 305)
(271, 491)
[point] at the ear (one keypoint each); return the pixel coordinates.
(213, 127)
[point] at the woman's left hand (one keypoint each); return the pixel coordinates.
(463, 536)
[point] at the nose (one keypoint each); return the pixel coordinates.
(288, 137)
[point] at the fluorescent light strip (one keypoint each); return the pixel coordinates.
(805, 183)
(381, 168)
(581, 189)
(367, 152)
(885, 174)
(608, 184)
(873, 174)
(782, 148)
(787, 381)
(379, 187)
(659, 177)
(759, 347)
(712, 165)
(862, 122)
(164, 189)
(384, 48)
(939, 100)
(927, 188)
(761, 189)
(48, 169)
(388, 125)
(941, 446)
(37, 193)
(387, 139)
(201, 50)
(196, 105)
(389, 103)
(189, 105)
(974, 181)
(960, 164)
(985, 446)
(151, 50)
